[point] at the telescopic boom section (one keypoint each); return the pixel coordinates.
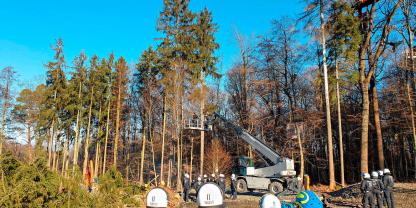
(258, 145)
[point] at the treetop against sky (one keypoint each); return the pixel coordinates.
(125, 27)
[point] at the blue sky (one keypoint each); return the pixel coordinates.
(28, 28)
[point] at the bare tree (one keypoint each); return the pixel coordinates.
(7, 76)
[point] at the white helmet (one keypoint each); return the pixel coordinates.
(186, 175)
(387, 171)
(366, 176)
(209, 195)
(269, 201)
(374, 174)
(213, 175)
(205, 176)
(221, 175)
(380, 173)
(199, 178)
(157, 197)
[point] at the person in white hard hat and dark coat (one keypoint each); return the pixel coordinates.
(233, 187)
(388, 182)
(198, 183)
(221, 183)
(186, 185)
(377, 189)
(367, 189)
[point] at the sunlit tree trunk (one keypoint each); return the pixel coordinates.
(142, 157)
(118, 109)
(87, 139)
(51, 139)
(192, 157)
(29, 142)
(302, 160)
(377, 125)
(106, 134)
(163, 141)
(77, 129)
(201, 113)
(328, 110)
(341, 143)
(153, 157)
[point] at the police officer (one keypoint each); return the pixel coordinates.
(367, 189)
(213, 178)
(388, 188)
(186, 187)
(221, 183)
(205, 178)
(380, 177)
(233, 187)
(198, 184)
(377, 189)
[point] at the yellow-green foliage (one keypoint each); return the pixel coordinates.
(34, 185)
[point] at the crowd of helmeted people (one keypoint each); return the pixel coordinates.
(196, 184)
(377, 189)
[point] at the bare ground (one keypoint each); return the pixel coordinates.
(404, 195)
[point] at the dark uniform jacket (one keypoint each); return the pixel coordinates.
(388, 182)
(366, 186)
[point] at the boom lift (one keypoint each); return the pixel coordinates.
(278, 174)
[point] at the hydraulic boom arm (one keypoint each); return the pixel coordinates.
(257, 144)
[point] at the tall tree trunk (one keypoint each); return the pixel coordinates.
(29, 142)
(328, 110)
(142, 157)
(87, 139)
(377, 125)
(169, 183)
(153, 158)
(97, 144)
(163, 141)
(96, 161)
(412, 82)
(67, 159)
(106, 135)
(64, 157)
(50, 144)
(412, 118)
(192, 157)
(77, 129)
(51, 139)
(201, 112)
(302, 161)
(117, 126)
(341, 143)
(364, 126)
(55, 158)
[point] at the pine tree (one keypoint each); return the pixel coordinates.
(146, 80)
(120, 88)
(77, 90)
(204, 64)
(176, 52)
(343, 45)
(108, 100)
(56, 84)
(92, 88)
